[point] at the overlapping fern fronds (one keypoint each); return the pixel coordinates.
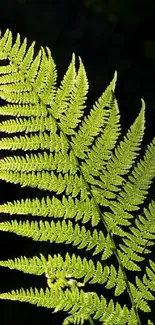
(92, 177)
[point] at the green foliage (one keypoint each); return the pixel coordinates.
(96, 182)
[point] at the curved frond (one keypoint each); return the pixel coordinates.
(94, 123)
(120, 162)
(101, 151)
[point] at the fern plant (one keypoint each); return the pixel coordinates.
(97, 184)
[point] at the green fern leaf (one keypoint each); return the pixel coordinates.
(95, 182)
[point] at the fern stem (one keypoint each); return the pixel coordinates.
(127, 286)
(90, 320)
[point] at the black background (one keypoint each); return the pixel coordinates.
(108, 35)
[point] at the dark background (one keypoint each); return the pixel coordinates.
(109, 35)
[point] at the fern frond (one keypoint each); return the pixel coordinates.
(63, 93)
(76, 302)
(92, 177)
(34, 265)
(63, 273)
(60, 162)
(121, 161)
(102, 149)
(135, 190)
(5, 43)
(68, 207)
(93, 124)
(49, 181)
(135, 240)
(60, 232)
(132, 195)
(23, 110)
(25, 71)
(74, 109)
(33, 124)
